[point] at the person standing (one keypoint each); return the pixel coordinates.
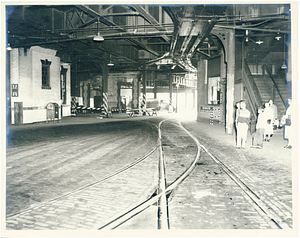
(237, 111)
(288, 125)
(269, 117)
(242, 122)
(275, 114)
(258, 136)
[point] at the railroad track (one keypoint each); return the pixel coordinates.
(164, 188)
(58, 201)
(175, 164)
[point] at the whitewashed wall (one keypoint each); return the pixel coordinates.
(26, 71)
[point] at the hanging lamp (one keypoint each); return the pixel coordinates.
(283, 66)
(98, 37)
(110, 64)
(8, 47)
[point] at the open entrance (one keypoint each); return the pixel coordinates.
(124, 95)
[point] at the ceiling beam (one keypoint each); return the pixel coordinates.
(201, 37)
(123, 35)
(149, 18)
(252, 29)
(107, 22)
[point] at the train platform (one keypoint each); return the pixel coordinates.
(267, 172)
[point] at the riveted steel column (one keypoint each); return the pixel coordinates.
(144, 88)
(201, 85)
(105, 70)
(171, 92)
(230, 82)
(223, 88)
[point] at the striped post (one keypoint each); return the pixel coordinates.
(143, 103)
(105, 103)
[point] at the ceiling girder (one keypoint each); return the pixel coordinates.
(124, 35)
(110, 23)
(187, 38)
(171, 14)
(148, 17)
(201, 37)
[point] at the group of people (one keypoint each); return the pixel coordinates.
(266, 122)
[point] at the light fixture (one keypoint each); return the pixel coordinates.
(98, 37)
(259, 42)
(278, 37)
(8, 47)
(110, 64)
(247, 33)
(283, 66)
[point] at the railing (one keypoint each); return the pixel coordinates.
(274, 83)
(254, 96)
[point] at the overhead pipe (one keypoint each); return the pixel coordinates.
(252, 29)
(107, 37)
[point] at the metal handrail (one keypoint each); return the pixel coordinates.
(274, 83)
(252, 90)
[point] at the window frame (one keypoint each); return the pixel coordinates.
(46, 74)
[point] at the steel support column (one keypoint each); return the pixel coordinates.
(230, 82)
(105, 71)
(144, 88)
(171, 92)
(201, 85)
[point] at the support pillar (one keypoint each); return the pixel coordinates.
(8, 90)
(155, 89)
(194, 98)
(230, 82)
(144, 88)
(105, 71)
(223, 89)
(186, 98)
(135, 96)
(119, 96)
(171, 92)
(201, 85)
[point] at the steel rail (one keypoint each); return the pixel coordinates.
(123, 169)
(163, 219)
(134, 210)
(250, 193)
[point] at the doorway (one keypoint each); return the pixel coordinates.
(18, 106)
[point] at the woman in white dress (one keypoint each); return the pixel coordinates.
(268, 117)
(288, 125)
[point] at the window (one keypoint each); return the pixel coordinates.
(46, 74)
(63, 79)
(214, 90)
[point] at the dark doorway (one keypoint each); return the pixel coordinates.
(18, 106)
(97, 101)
